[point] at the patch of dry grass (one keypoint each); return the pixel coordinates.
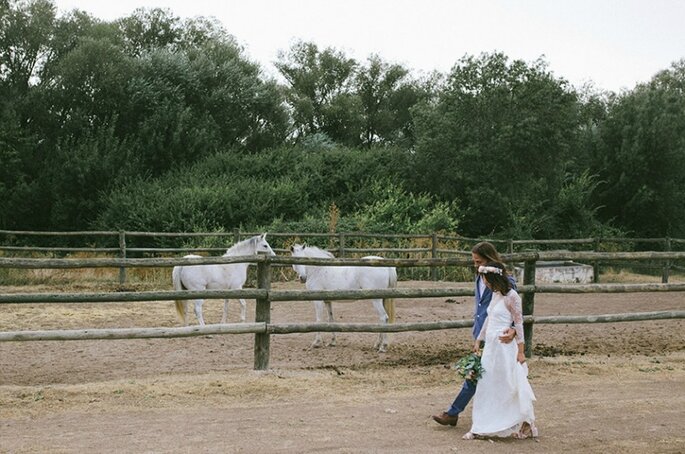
(241, 387)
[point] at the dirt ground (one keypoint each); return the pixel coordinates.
(600, 388)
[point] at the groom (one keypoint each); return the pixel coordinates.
(481, 254)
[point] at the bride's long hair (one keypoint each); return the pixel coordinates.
(488, 251)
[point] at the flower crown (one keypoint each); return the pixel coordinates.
(489, 269)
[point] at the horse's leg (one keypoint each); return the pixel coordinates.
(243, 310)
(318, 308)
(198, 312)
(382, 343)
(329, 309)
(224, 316)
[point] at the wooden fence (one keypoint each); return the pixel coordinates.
(264, 296)
(339, 243)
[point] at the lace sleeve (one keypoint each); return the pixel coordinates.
(513, 303)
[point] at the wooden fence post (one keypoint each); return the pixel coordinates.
(595, 264)
(262, 341)
(667, 263)
(236, 235)
(434, 255)
(341, 245)
(122, 254)
(528, 301)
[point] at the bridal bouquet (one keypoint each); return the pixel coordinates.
(469, 367)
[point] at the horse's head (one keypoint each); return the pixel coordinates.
(261, 246)
(297, 250)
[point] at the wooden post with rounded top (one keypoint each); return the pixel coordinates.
(262, 341)
(667, 263)
(528, 301)
(434, 255)
(122, 254)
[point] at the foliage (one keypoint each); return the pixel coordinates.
(153, 122)
(386, 95)
(569, 213)
(24, 41)
(88, 104)
(352, 104)
(15, 144)
(83, 163)
(318, 91)
(391, 210)
(318, 141)
(641, 157)
(182, 204)
(231, 189)
(499, 134)
(572, 214)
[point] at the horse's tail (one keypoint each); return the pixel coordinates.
(389, 303)
(178, 286)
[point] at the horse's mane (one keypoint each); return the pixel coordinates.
(318, 252)
(240, 245)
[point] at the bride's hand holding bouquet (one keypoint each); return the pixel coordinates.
(469, 367)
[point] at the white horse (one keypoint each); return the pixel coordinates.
(346, 278)
(217, 277)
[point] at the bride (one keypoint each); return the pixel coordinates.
(503, 404)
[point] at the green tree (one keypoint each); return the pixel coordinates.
(319, 92)
(187, 104)
(15, 145)
(147, 29)
(498, 137)
(641, 157)
(80, 172)
(89, 86)
(386, 95)
(85, 104)
(25, 35)
(158, 28)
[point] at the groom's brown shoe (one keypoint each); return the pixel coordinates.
(446, 420)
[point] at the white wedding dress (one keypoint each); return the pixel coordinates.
(504, 398)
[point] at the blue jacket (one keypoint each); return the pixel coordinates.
(482, 303)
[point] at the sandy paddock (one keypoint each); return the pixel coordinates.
(601, 388)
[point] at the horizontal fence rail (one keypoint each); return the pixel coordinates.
(292, 328)
(313, 295)
(6, 262)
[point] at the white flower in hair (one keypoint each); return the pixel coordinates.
(489, 269)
